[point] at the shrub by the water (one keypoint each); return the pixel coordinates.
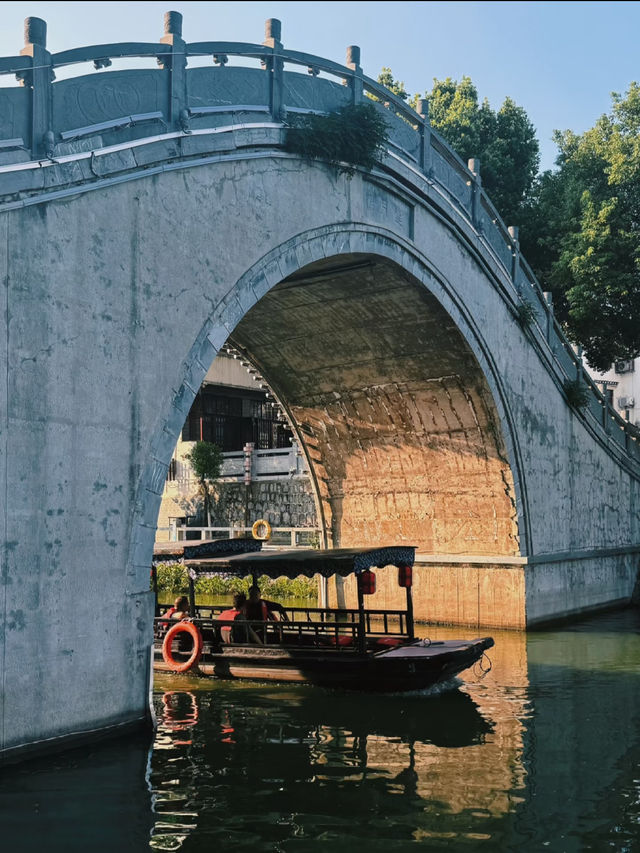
(173, 579)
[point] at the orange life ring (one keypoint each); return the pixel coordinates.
(172, 633)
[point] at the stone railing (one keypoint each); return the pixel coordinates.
(245, 466)
(287, 537)
(106, 125)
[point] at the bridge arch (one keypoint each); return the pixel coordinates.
(344, 250)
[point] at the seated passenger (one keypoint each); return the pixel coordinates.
(179, 610)
(240, 633)
(259, 609)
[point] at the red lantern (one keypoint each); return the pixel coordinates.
(405, 576)
(367, 583)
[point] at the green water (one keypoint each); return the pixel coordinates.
(543, 753)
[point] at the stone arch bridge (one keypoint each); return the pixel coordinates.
(149, 214)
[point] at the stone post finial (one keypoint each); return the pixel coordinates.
(353, 56)
(274, 65)
(35, 31)
(474, 166)
(273, 29)
(173, 24)
(514, 232)
(422, 108)
(355, 79)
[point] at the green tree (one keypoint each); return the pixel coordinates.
(386, 78)
(581, 232)
(206, 461)
(504, 141)
(455, 114)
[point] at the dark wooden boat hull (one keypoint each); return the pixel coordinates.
(411, 667)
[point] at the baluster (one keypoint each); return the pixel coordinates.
(579, 367)
(476, 189)
(606, 417)
(514, 233)
(424, 128)
(175, 64)
(274, 67)
(39, 80)
(548, 298)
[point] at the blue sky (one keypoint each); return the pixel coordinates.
(558, 60)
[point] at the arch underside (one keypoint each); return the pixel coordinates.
(394, 411)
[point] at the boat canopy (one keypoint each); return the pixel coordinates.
(291, 564)
(178, 552)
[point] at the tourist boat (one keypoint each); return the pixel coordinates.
(353, 648)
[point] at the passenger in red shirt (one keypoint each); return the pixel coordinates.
(241, 633)
(179, 610)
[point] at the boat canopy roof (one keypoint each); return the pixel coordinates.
(291, 564)
(177, 552)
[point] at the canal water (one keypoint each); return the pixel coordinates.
(542, 753)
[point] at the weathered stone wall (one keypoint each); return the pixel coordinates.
(387, 328)
(288, 503)
(115, 305)
(475, 594)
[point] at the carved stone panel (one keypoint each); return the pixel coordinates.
(217, 87)
(83, 101)
(305, 92)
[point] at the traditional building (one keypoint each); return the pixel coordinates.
(264, 474)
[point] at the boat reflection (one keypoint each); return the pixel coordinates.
(281, 749)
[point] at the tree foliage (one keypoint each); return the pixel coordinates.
(581, 232)
(386, 78)
(206, 461)
(504, 141)
(173, 580)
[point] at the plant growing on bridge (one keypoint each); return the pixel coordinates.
(350, 137)
(206, 460)
(525, 313)
(576, 392)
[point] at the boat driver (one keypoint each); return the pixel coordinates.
(259, 609)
